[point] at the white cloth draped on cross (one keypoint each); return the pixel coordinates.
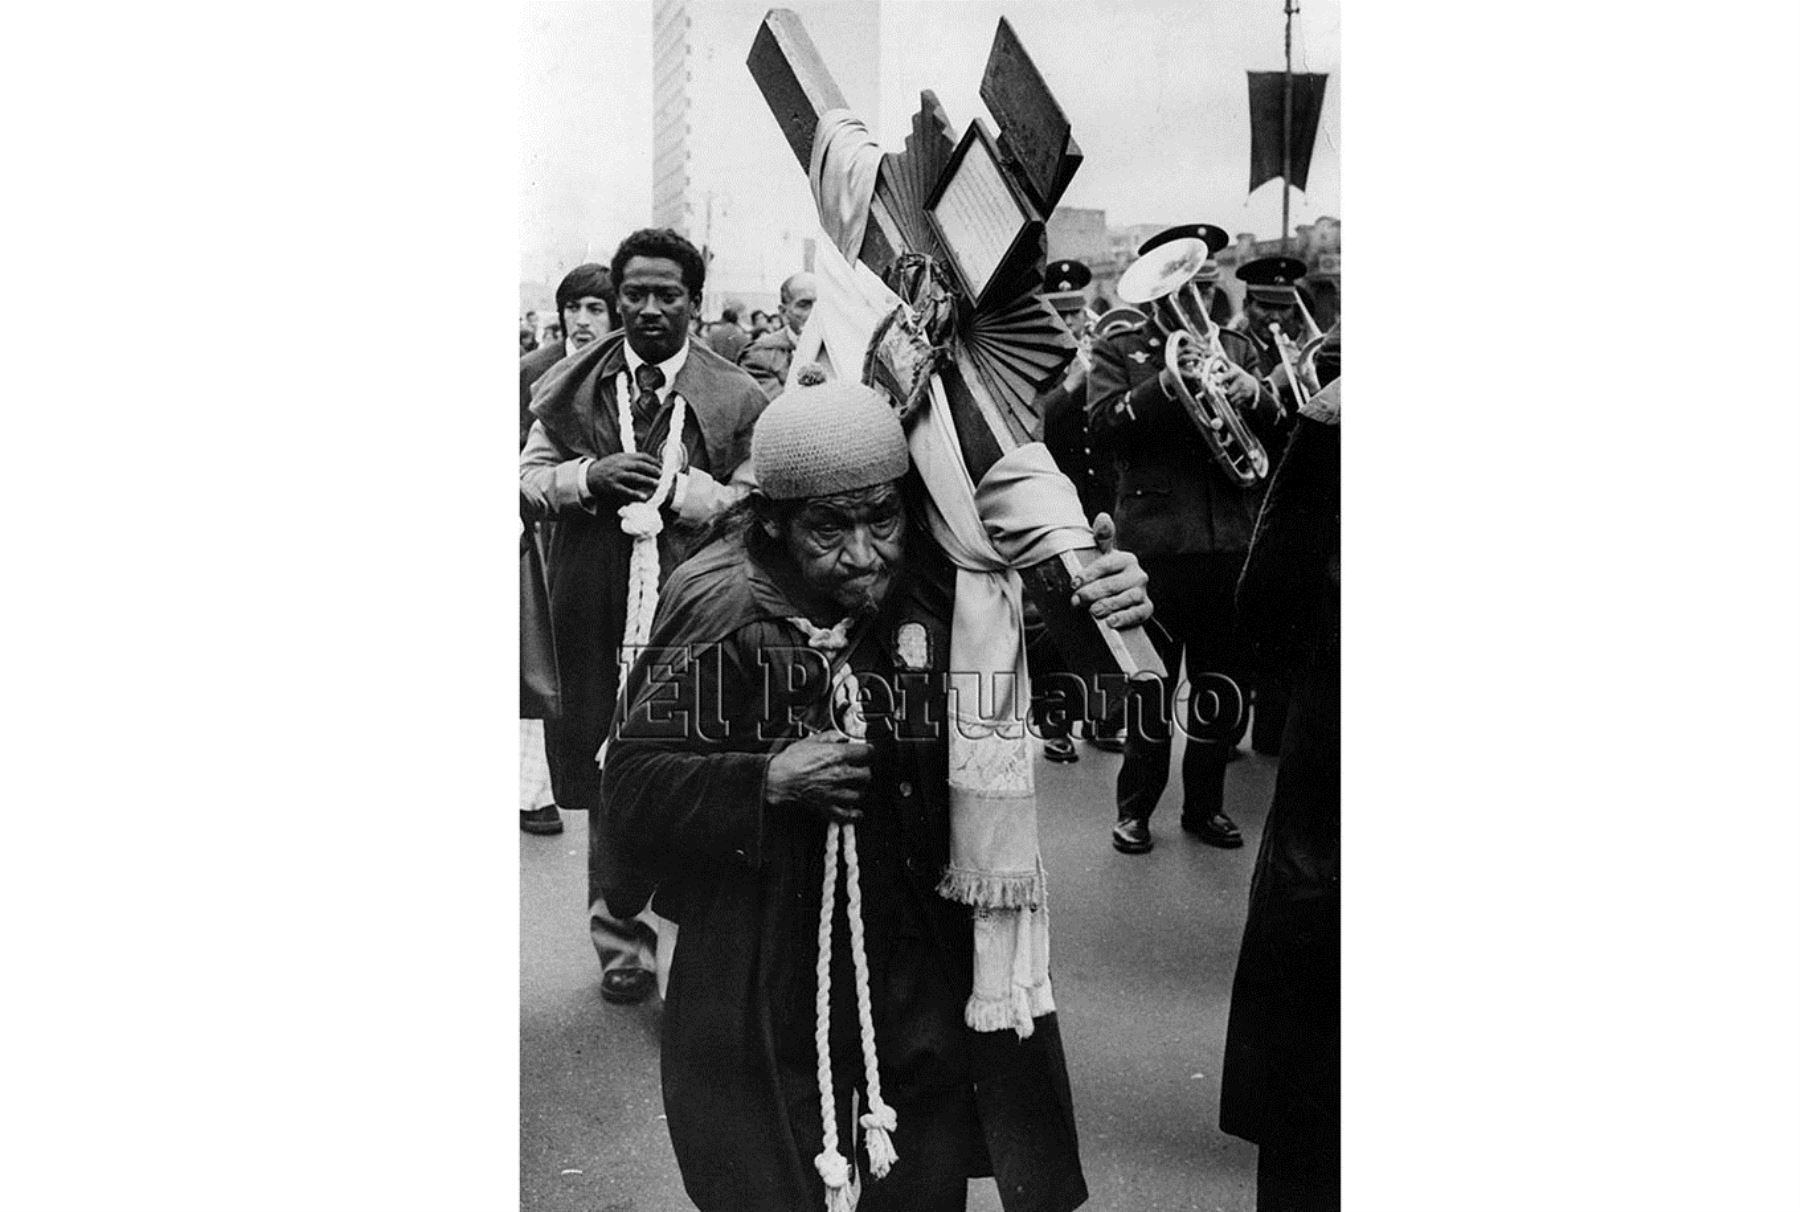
(1022, 513)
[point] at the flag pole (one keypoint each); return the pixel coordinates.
(1287, 123)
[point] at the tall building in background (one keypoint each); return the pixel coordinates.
(723, 175)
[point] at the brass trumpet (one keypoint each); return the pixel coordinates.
(1162, 283)
(1299, 359)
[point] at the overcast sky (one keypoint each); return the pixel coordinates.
(1155, 91)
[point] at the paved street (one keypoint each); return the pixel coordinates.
(1142, 950)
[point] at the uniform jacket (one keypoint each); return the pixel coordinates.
(1066, 436)
(1281, 1074)
(1172, 497)
(588, 555)
(727, 683)
(768, 358)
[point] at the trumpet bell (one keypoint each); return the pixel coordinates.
(1162, 271)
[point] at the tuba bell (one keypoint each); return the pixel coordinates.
(1161, 283)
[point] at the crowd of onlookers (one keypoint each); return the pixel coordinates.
(728, 335)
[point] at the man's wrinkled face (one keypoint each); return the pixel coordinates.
(849, 547)
(797, 303)
(654, 307)
(586, 320)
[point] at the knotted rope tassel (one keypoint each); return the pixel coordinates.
(642, 520)
(879, 1124)
(841, 1191)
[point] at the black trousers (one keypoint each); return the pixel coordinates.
(1194, 619)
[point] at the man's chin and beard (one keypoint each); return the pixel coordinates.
(655, 341)
(863, 596)
(847, 548)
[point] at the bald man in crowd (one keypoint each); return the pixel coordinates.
(770, 355)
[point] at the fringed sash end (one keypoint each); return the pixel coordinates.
(1013, 1012)
(993, 889)
(995, 1014)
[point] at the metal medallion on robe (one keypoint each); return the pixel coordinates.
(912, 647)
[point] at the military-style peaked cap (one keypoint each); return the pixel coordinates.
(1215, 237)
(1060, 276)
(1272, 279)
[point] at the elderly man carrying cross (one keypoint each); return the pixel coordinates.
(739, 756)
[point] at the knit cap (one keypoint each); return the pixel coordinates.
(824, 439)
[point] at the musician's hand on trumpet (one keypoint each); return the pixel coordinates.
(1191, 363)
(1194, 366)
(1221, 373)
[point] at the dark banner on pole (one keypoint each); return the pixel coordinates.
(1265, 124)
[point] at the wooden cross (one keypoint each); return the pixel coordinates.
(1008, 351)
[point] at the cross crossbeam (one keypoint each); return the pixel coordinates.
(799, 88)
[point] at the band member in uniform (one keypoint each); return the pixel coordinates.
(1190, 523)
(1218, 303)
(1063, 409)
(1272, 296)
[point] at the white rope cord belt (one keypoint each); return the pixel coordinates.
(642, 520)
(841, 1190)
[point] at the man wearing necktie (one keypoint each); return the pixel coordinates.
(583, 467)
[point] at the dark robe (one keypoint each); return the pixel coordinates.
(540, 697)
(532, 367)
(728, 682)
(1280, 1085)
(589, 557)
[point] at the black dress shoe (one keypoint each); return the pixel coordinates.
(1215, 830)
(627, 986)
(1061, 749)
(1132, 836)
(1110, 742)
(543, 820)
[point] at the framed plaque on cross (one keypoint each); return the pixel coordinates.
(976, 206)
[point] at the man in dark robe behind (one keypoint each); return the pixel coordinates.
(578, 469)
(1281, 1077)
(584, 302)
